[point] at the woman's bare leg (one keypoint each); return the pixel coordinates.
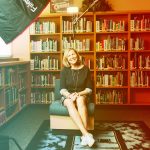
(82, 109)
(74, 114)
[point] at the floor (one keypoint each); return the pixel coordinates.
(24, 126)
(129, 113)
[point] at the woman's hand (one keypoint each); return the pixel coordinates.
(73, 96)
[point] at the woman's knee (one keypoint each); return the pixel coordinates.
(68, 103)
(81, 101)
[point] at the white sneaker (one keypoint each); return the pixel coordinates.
(87, 140)
(83, 141)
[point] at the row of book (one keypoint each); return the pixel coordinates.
(42, 97)
(79, 45)
(10, 104)
(43, 27)
(140, 62)
(48, 45)
(48, 63)
(140, 24)
(2, 117)
(86, 61)
(1, 78)
(43, 80)
(22, 100)
(140, 79)
(10, 76)
(106, 25)
(83, 25)
(136, 43)
(110, 97)
(110, 79)
(111, 43)
(106, 62)
(11, 96)
(22, 81)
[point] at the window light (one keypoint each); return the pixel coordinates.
(5, 49)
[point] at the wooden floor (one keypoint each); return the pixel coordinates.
(25, 125)
(128, 113)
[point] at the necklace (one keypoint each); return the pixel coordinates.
(75, 77)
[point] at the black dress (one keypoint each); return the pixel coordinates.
(75, 80)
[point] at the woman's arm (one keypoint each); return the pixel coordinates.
(64, 92)
(87, 91)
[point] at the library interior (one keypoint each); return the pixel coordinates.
(112, 40)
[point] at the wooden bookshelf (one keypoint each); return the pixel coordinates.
(115, 46)
(14, 88)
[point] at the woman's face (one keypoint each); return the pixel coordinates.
(72, 57)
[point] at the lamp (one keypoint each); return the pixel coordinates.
(90, 6)
(74, 12)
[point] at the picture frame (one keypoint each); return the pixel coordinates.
(59, 5)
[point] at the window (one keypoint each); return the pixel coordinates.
(5, 49)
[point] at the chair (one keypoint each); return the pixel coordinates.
(59, 116)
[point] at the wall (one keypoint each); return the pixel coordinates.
(21, 43)
(20, 46)
(130, 4)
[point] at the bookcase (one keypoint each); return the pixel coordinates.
(14, 88)
(115, 46)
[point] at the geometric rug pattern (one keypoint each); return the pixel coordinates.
(136, 135)
(104, 140)
(124, 135)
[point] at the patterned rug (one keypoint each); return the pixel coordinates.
(136, 134)
(108, 135)
(105, 140)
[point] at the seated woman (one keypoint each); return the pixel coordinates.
(75, 83)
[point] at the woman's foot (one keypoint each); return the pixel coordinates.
(87, 140)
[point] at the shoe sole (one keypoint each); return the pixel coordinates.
(91, 143)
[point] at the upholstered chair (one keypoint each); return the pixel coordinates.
(59, 116)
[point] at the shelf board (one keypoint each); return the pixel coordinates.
(45, 70)
(111, 70)
(140, 51)
(112, 32)
(86, 52)
(112, 51)
(52, 52)
(140, 32)
(140, 87)
(13, 63)
(111, 87)
(140, 70)
(44, 87)
(45, 34)
(78, 33)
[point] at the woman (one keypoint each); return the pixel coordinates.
(75, 88)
